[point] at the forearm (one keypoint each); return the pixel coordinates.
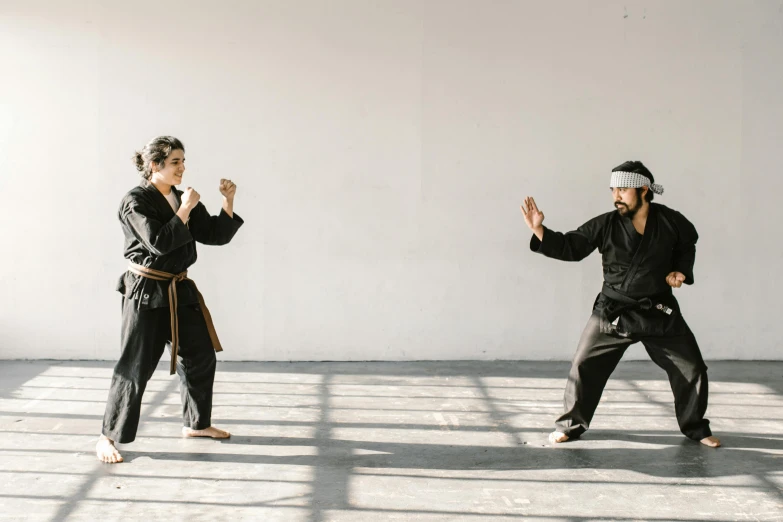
(184, 213)
(228, 207)
(159, 238)
(683, 262)
(571, 246)
(685, 268)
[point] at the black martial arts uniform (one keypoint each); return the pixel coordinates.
(636, 304)
(155, 237)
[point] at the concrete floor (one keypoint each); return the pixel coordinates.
(391, 441)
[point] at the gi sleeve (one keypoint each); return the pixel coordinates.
(158, 237)
(213, 230)
(684, 253)
(571, 246)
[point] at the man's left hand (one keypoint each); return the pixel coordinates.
(675, 279)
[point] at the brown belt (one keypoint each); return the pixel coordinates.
(157, 275)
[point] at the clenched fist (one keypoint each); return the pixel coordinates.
(675, 279)
(190, 198)
(228, 189)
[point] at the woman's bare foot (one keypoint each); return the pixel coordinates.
(212, 432)
(106, 451)
(712, 442)
(557, 436)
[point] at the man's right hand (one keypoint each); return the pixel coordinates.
(533, 217)
(190, 198)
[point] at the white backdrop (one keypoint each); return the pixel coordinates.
(381, 150)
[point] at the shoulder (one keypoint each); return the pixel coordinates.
(675, 219)
(670, 213)
(595, 228)
(137, 197)
(601, 221)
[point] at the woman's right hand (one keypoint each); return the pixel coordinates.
(190, 198)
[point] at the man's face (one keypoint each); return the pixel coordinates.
(172, 169)
(626, 201)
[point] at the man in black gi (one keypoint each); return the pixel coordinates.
(647, 250)
(160, 305)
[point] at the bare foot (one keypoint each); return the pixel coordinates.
(106, 451)
(557, 436)
(212, 432)
(712, 442)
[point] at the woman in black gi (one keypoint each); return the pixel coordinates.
(160, 305)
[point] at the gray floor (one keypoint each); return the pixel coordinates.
(391, 441)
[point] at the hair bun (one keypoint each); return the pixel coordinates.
(138, 161)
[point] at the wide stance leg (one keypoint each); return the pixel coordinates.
(681, 358)
(196, 368)
(144, 336)
(596, 358)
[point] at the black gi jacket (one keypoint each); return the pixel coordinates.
(156, 238)
(635, 267)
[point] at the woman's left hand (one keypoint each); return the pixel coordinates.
(228, 188)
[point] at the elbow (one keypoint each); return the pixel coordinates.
(573, 256)
(212, 241)
(160, 248)
(157, 251)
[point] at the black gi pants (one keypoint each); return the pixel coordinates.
(596, 358)
(145, 333)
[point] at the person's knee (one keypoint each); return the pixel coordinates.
(692, 375)
(582, 363)
(207, 361)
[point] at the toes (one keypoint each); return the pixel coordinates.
(211, 432)
(109, 455)
(557, 437)
(711, 442)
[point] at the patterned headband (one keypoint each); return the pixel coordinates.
(633, 180)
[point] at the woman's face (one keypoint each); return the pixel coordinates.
(172, 170)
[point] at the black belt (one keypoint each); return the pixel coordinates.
(645, 303)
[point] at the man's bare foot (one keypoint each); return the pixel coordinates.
(712, 442)
(106, 451)
(557, 436)
(212, 432)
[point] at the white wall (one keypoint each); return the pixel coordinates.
(381, 150)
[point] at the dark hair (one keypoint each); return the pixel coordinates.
(156, 151)
(638, 168)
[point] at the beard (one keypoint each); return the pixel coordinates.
(627, 211)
